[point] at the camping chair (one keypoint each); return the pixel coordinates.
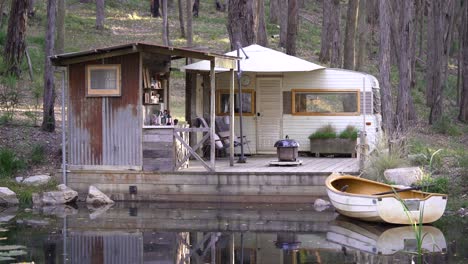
(222, 129)
(219, 145)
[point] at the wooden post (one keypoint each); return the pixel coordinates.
(212, 113)
(231, 117)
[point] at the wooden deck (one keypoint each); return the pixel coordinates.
(260, 163)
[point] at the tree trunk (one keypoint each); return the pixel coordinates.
(430, 54)
(165, 31)
(384, 68)
(241, 24)
(219, 7)
(188, 10)
(181, 18)
(196, 7)
(31, 11)
(326, 32)
(350, 35)
(335, 57)
(2, 8)
(15, 40)
(100, 14)
(48, 121)
(155, 8)
(362, 36)
(372, 9)
(262, 37)
(283, 7)
(293, 14)
(404, 67)
(61, 12)
(442, 14)
(463, 115)
(274, 11)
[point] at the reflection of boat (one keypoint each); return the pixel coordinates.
(373, 201)
(384, 240)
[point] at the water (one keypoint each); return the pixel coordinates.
(216, 233)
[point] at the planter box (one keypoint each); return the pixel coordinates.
(333, 146)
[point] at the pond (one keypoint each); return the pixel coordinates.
(217, 233)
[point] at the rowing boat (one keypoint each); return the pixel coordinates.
(378, 202)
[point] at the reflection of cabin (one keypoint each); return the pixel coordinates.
(119, 106)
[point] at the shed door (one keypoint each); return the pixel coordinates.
(269, 113)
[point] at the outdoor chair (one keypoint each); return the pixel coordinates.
(222, 129)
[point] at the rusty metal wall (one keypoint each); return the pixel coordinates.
(105, 130)
(105, 247)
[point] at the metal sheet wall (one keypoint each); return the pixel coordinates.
(105, 248)
(105, 130)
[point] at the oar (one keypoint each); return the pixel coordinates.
(400, 190)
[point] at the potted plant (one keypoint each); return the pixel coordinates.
(325, 140)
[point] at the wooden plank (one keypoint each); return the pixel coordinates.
(104, 167)
(174, 179)
(65, 62)
(193, 153)
(195, 148)
(231, 117)
(212, 114)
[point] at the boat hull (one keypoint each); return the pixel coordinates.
(386, 208)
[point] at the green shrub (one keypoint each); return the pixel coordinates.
(378, 163)
(9, 163)
(37, 154)
(445, 126)
(324, 132)
(350, 132)
(434, 185)
(463, 162)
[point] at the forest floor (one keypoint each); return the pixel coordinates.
(130, 21)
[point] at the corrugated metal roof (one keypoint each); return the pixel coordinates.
(70, 58)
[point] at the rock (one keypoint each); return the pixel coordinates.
(98, 210)
(462, 212)
(8, 196)
(403, 176)
(321, 205)
(64, 195)
(59, 210)
(8, 213)
(37, 180)
(19, 179)
(96, 197)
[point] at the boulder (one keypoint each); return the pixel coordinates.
(96, 211)
(96, 197)
(59, 210)
(8, 213)
(63, 195)
(19, 179)
(8, 196)
(321, 205)
(404, 176)
(37, 180)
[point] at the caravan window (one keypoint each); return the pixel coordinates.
(248, 102)
(103, 80)
(325, 102)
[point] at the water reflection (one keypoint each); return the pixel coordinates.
(211, 233)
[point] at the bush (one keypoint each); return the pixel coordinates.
(434, 185)
(350, 132)
(9, 163)
(324, 132)
(445, 126)
(37, 154)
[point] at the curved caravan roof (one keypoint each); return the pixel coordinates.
(331, 78)
(261, 59)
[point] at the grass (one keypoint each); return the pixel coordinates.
(445, 126)
(24, 192)
(37, 154)
(324, 132)
(350, 132)
(9, 163)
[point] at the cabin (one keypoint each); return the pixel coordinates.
(284, 96)
(119, 134)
